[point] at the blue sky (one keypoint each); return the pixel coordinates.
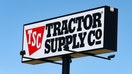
(14, 13)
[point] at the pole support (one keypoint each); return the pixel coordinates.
(66, 60)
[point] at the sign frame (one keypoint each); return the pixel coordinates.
(110, 36)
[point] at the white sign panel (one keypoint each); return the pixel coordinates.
(82, 31)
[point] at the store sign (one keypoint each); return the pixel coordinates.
(93, 31)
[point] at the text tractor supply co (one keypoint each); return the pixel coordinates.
(75, 32)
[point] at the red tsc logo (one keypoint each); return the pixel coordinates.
(34, 39)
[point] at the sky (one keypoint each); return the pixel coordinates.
(15, 13)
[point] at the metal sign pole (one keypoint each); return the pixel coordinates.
(66, 60)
